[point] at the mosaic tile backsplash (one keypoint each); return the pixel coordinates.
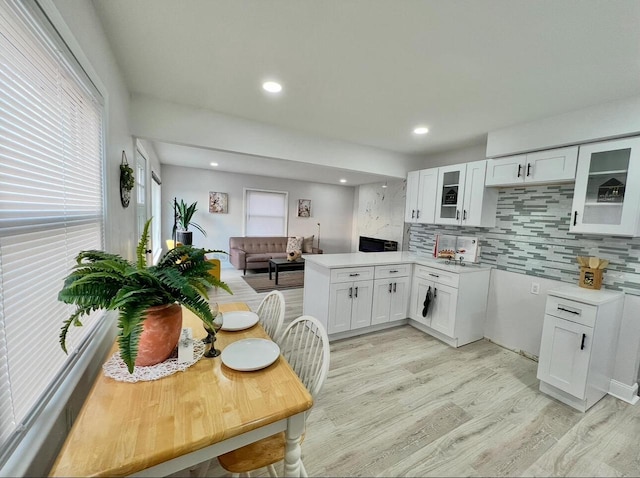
(532, 237)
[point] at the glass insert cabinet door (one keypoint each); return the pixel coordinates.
(607, 193)
(450, 194)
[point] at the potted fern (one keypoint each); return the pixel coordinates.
(183, 219)
(148, 298)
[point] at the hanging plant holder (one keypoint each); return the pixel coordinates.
(127, 181)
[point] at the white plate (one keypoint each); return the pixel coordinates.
(250, 354)
(239, 320)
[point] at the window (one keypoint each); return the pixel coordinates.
(51, 206)
(265, 212)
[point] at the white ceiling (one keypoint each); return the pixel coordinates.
(368, 71)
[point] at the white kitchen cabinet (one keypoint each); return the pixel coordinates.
(462, 198)
(390, 293)
(456, 310)
(606, 199)
(350, 306)
(577, 350)
(541, 167)
(350, 299)
(421, 196)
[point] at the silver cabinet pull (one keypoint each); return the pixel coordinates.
(584, 336)
(392, 272)
(413, 213)
(354, 275)
(394, 287)
(528, 169)
(433, 275)
(519, 169)
(356, 293)
(389, 287)
(418, 214)
(457, 214)
(350, 292)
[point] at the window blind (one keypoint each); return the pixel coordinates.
(265, 213)
(51, 206)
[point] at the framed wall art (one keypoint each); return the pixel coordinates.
(304, 207)
(218, 202)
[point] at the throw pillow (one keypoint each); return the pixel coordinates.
(307, 244)
(294, 244)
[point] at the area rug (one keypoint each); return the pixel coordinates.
(286, 280)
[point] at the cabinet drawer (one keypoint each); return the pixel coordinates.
(571, 310)
(351, 273)
(395, 270)
(442, 277)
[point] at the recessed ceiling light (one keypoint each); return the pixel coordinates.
(272, 87)
(343, 180)
(384, 185)
(421, 130)
(213, 164)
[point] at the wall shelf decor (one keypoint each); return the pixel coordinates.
(127, 181)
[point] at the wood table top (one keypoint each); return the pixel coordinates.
(127, 427)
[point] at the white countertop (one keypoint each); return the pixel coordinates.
(586, 296)
(360, 259)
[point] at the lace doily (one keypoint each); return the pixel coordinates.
(116, 369)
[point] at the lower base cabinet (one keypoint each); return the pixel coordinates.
(579, 340)
(450, 304)
(350, 306)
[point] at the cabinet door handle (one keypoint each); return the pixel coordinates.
(394, 287)
(418, 214)
(390, 285)
(575, 218)
(433, 275)
(464, 214)
(570, 311)
(393, 272)
(356, 293)
(528, 169)
(519, 169)
(354, 275)
(584, 336)
(435, 292)
(413, 213)
(350, 292)
(457, 214)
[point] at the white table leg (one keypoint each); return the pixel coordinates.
(293, 452)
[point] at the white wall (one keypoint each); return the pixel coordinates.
(173, 123)
(331, 206)
(616, 118)
(455, 156)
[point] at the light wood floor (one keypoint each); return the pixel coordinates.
(401, 403)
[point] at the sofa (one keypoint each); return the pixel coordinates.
(247, 253)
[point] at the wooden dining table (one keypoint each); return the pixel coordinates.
(159, 427)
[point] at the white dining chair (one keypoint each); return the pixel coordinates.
(271, 313)
(305, 345)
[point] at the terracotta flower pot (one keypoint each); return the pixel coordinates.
(160, 334)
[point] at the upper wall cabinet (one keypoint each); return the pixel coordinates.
(542, 167)
(421, 196)
(463, 198)
(606, 199)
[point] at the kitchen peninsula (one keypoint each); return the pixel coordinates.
(358, 293)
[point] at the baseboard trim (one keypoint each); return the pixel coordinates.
(624, 392)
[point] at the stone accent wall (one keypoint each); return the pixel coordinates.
(532, 237)
(381, 211)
